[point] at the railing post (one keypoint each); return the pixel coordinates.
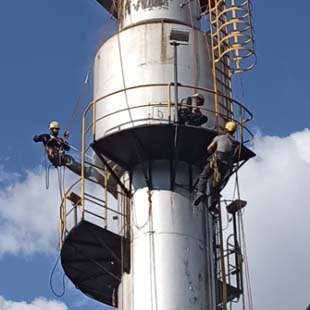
(94, 104)
(75, 215)
(106, 195)
(169, 102)
(83, 167)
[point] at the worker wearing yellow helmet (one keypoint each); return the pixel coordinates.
(56, 148)
(222, 149)
(231, 127)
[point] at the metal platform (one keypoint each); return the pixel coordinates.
(130, 147)
(92, 259)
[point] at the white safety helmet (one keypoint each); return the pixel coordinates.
(54, 125)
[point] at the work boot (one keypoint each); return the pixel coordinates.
(213, 207)
(198, 198)
(214, 204)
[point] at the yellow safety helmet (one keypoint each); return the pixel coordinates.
(54, 124)
(231, 126)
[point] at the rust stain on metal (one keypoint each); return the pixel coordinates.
(163, 44)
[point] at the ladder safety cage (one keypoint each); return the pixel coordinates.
(231, 28)
(232, 46)
(226, 288)
(229, 257)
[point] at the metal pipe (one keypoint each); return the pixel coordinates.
(176, 95)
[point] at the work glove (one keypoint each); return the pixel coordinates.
(66, 134)
(35, 138)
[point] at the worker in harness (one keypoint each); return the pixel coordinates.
(56, 147)
(223, 149)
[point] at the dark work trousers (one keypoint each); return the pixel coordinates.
(224, 169)
(203, 178)
(76, 167)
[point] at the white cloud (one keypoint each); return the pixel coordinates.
(7, 177)
(277, 188)
(29, 214)
(276, 185)
(37, 304)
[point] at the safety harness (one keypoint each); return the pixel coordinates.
(220, 164)
(55, 150)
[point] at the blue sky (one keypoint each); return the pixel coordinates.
(47, 47)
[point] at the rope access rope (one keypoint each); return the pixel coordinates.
(134, 218)
(124, 201)
(86, 82)
(79, 99)
(51, 280)
(194, 63)
(153, 283)
(61, 173)
(244, 248)
(224, 285)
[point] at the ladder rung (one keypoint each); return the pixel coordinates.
(223, 43)
(223, 106)
(222, 73)
(216, 18)
(224, 84)
(74, 198)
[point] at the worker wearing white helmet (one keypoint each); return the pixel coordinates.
(223, 149)
(191, 114)
(54, 125)
(56, 147)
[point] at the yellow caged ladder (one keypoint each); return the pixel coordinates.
(232, 47)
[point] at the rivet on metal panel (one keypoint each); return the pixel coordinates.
(193, 300)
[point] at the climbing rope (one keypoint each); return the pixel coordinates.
(222, 262)
(123, 210)
(134, 217)
(79, 99)
(60, 182)
(46, 170)
(51, 280)
(241, 232)
(153, 281)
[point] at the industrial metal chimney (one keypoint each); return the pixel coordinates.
(150, 135)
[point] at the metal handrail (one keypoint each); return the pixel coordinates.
(241, 121)
(63, 213)
(220, 95)
(244, 116)
(169, 85)
(84, 197)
